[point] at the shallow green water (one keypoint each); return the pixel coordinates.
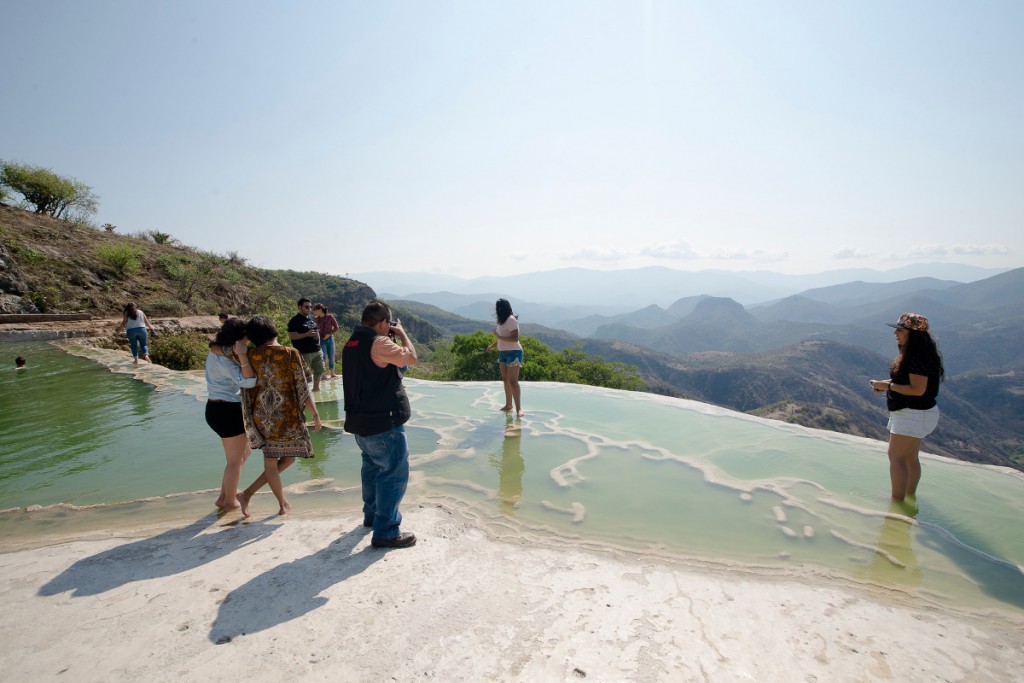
(633, 470)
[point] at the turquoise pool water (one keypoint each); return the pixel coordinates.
(585, 465)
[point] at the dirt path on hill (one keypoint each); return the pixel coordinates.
(100, 328)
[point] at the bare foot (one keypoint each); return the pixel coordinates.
(243, 501)
(285, 509)
(221, 502)
(505, 408)
(519, 414)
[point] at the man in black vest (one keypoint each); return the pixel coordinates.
(376, 407)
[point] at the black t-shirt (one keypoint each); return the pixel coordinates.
(921, 365)
(302, 324)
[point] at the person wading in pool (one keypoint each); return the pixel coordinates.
(910, 395)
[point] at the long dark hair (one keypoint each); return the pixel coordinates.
(502, 309)
(231, 331)
(919, 345)
(131, 310)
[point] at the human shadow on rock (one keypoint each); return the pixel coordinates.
(171, 552)
(261, 603)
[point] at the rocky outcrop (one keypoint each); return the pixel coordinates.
(13, 286)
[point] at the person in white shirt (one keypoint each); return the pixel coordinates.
(134, 324)
(510, 354)
(227, 372)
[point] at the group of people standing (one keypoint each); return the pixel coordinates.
(311, 331)
(257, 399)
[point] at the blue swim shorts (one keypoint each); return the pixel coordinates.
(513, 358)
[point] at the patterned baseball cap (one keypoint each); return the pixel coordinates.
(911, 321)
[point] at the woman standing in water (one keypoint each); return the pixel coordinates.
(134, 324)
(510, 353)
(273, 410)
(910, 395)
(227, 372)
(327, 325)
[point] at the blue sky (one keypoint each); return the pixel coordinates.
(497, 138)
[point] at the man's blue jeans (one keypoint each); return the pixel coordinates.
(385, 477)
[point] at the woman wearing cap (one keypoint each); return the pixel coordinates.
(910, 395)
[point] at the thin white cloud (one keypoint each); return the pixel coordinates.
(851, 253)
(593, 254)
(675, 251)
(933, 250)
(762, 255)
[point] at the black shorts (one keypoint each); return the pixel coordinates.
(225, 418)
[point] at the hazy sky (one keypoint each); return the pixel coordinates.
(488, 137)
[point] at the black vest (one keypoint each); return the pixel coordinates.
(375, 399)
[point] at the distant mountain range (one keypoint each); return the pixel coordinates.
(794, 348)
(805, 357)
(618, 291)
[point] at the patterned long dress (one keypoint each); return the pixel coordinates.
(273, 410)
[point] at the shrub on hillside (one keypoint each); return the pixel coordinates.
(160, 237)
(189, 275)
(465, 359)
(45, 298)
(168, 307)
(123, 259)
(180, 351)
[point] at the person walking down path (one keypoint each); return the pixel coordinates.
(376, 410)
(326, 325)
(305, 336)
(134, 324)
(273, 410)
(228, 371)
(510, 354)
(910, 392)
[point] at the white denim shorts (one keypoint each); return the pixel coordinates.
(915, 423)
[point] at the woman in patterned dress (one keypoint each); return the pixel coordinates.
(273, 410)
